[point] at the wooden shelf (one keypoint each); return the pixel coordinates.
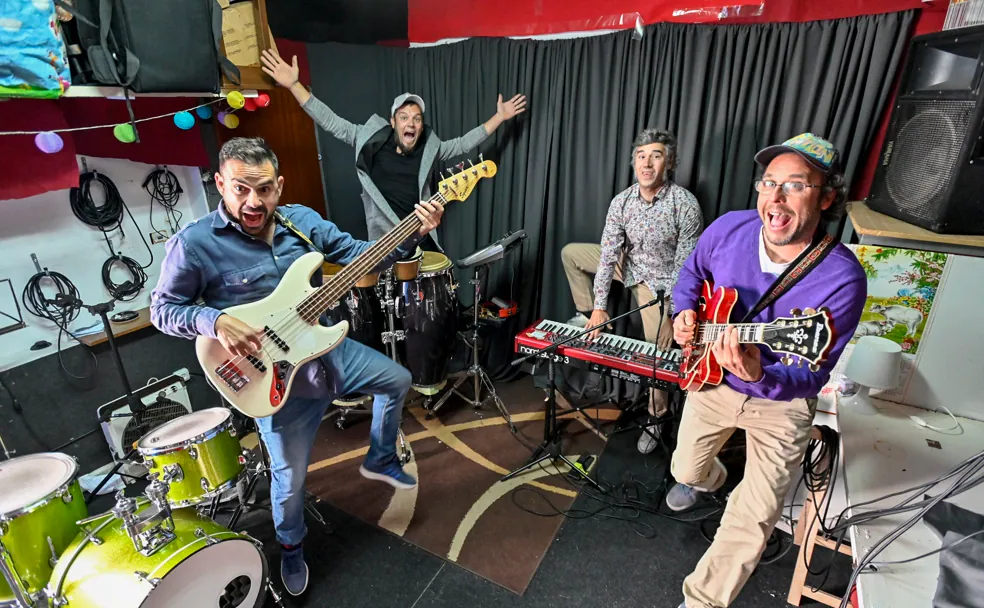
(83, 90)
(876, 228)
(121, 329)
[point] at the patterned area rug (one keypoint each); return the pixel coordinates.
(460, 510)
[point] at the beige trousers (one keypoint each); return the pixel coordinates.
(776, 435)
(581, 264)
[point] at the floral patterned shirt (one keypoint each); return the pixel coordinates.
(657, 238)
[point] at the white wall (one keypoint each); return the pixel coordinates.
(949, 366)
(45, 225)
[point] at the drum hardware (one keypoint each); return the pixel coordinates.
(390, 304)
(22, 598)
(172, 472)
(153, 529)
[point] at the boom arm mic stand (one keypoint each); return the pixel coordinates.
(102, 311)
(551, 447)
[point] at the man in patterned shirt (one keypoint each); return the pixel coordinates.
(651, 228)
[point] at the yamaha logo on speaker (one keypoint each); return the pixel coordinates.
(888, 153)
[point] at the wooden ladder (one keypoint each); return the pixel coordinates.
(807, 535)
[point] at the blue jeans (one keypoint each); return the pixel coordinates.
(352, 368)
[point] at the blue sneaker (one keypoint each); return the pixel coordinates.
(293, 570)
(391, 473)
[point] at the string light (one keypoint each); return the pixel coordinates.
(114, 125)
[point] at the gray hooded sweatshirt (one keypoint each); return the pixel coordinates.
(380, 217)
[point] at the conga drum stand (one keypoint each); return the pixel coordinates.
(476, 372)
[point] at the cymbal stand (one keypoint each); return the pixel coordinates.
(476, 372)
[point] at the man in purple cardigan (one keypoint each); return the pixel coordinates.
(773, 403)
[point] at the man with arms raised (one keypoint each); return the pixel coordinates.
(394, 159)
(653, 225)
(773, 403)
(238, 254)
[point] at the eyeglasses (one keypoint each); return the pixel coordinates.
(766, 186)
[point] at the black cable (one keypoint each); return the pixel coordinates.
(61, 310)
(74, 439)
(127, 290)
(164, 188)
(108, 217)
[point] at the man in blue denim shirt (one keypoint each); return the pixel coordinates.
(238, 254)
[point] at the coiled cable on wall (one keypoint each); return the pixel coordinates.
(61, 309)
(108, 217)
(164, 188)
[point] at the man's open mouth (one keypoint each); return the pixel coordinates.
(778, 220)
(253, 219)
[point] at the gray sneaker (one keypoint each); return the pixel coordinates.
(578, 320)
(681, 497)
(647, 442)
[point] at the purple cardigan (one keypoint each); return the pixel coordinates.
(728, 254)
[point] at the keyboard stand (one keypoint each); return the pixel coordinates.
(551, 447)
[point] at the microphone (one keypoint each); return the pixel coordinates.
(660, 293)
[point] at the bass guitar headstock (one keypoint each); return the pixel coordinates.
(459, 185)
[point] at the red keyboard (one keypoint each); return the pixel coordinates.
(608, 354)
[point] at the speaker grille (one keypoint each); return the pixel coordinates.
(155, 414)
(924, 154)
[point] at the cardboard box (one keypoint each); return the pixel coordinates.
(239, 34)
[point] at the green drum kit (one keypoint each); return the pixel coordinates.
(160, 549)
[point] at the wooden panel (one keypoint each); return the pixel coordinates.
(252, 76)
(121, 329)
(872, 223)
(290, 132)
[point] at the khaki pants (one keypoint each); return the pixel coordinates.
(581, 264)
(776, 435)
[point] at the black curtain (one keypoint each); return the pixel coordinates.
(725, 91)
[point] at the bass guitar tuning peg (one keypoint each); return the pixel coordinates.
(810, 311)
(796, 312)
(814, 367)
(786, 360)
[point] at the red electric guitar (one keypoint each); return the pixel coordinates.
(804, 336)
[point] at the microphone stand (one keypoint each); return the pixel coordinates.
(102, 311)
(551, 447)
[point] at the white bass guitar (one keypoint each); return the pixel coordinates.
(258, 385)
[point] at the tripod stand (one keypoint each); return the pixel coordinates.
(551, 446)
(476, 372)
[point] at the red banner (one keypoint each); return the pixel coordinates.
(433, 20)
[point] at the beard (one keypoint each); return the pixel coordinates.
(405, 149)
(797, 228)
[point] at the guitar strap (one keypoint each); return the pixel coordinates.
(811, 256)
(286, 223)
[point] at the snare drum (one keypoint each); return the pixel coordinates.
(39, 504)
(430, 322)
(204, 565)
(198, 455)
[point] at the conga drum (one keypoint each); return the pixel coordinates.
(429, 322)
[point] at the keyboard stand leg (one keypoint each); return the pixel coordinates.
(552, 445)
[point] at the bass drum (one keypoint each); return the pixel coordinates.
(430, 322)
(204, 565)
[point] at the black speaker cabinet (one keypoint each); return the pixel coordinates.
(931, 169)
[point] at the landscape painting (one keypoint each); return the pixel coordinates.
(902, 284)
